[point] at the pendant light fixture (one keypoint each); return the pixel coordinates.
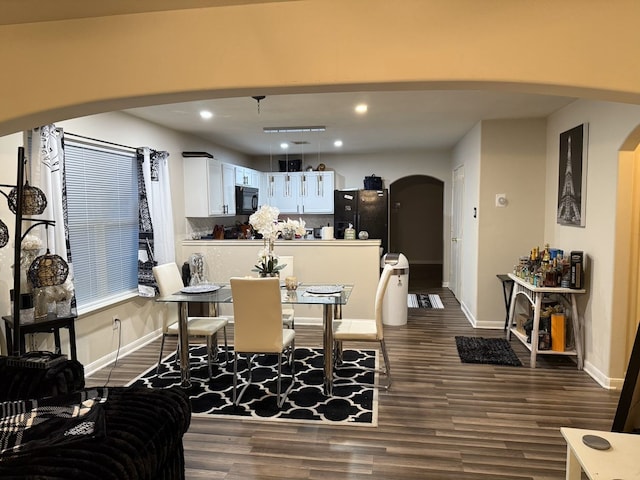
(49, 269)
(34, 200)
(257, 98)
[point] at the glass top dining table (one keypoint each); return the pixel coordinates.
(331, 308)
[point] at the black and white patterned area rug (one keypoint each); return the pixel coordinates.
(494, 351)
(424, 300)
(349, 404)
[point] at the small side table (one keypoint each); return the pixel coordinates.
(620, 461)
(51, 324)
(507, 290)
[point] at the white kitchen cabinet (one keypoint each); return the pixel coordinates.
(247, 177)
(282, 191)
(206, 193)
(299, 192)
(316, 192)
(229, 189)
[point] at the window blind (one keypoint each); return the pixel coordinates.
(102, 201)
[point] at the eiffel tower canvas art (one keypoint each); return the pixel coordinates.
(572, 177)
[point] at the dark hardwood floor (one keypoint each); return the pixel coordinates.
(442, 419)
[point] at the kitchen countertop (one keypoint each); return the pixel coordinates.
(299, 241)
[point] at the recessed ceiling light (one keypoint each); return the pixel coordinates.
(361, 108)
(284, 145)
(337, 143)
(206, 114)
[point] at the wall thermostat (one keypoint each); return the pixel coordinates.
(501, 200)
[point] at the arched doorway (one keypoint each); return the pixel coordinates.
(416, 228)
(626, 290)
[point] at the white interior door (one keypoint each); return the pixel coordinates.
(456, 230)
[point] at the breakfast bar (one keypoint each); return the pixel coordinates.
(311, 261)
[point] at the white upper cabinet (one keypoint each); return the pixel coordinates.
(202, 188)
(316, 192)
(299, 192)
(282, 192)
(247, 177)
(209, 187)
(229, 188)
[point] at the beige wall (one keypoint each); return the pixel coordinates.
(609, 126)
(513, 162)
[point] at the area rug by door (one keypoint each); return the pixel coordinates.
(494, 351)
(424, 300)
(352, 404)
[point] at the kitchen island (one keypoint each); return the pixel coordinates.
(354, 262)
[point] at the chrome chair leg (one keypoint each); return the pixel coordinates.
(280, 396)
(236, 396)
(210, 355)
(226, 347)
(386, 371)
(337, 352)
(387, 365)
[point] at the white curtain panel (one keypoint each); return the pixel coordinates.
(45, 171)
(156, 180)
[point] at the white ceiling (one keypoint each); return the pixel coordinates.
(395, 121)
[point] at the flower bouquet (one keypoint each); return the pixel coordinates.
(291, 228)
(265, 222)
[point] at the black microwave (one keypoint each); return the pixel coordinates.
(246, 200)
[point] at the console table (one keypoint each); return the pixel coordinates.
(620, 461)
(534, 295)
(50, 324)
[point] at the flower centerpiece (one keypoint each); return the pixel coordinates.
(291, 228)
(265, 222)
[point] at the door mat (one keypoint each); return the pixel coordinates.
(349, 404)
(494, 351)
(424, 300)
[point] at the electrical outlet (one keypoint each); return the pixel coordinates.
(116, 323)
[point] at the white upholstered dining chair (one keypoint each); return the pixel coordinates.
(288, 313)
(258, 329)
(365, 330)
(170, 281)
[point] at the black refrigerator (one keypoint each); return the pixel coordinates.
(366, 210)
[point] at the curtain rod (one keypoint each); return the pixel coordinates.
(104, 141)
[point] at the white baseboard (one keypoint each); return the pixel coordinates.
(468, 314)
(125, 350)
(601, 378)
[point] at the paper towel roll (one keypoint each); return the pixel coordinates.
(327, 233)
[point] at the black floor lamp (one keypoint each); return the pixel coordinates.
(46, 270)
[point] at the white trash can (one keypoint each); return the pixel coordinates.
(394, 307)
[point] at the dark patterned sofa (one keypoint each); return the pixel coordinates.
(138, 431)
